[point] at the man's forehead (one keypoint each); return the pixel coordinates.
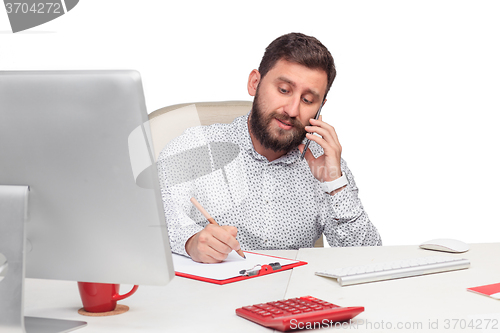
(314, 79)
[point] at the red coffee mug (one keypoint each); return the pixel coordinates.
(101, 297)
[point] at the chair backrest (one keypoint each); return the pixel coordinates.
(169, 122)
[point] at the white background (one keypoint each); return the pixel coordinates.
(415, 101)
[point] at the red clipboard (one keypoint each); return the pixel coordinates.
(265, 269)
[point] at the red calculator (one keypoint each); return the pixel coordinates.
(298, 313)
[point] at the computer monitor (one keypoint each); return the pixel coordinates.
(80, 141)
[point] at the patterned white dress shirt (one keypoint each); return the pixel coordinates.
(274, 205)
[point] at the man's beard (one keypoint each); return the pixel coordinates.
(283, 140)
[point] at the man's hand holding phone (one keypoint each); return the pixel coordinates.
(326, 167)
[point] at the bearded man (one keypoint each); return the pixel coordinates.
(268, 197)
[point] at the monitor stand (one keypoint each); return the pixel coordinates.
(13, 215)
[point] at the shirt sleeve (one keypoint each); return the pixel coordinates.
(346, 222)
(180, 226)
(175, 171)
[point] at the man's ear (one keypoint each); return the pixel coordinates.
(253, 82)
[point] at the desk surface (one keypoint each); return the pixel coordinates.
(434, 302)
(186, 305)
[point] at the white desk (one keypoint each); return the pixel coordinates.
(186, 305)
(415, 302)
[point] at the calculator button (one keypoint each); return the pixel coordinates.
(280, 315)
(250, 308)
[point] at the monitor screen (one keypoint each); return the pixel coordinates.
(80, 140)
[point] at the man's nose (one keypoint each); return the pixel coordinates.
(292, 108)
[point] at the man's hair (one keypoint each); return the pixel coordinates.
(301, 49)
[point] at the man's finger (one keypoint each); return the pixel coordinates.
(232, 230)
(329, 128)
(212, 256)
(323, 132)
(225, 236)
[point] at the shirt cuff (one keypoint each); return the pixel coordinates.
(344, 205)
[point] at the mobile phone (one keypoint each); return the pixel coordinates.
(308, 140)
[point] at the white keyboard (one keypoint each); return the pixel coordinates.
(395, 269)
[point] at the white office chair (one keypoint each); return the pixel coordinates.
(169, 122)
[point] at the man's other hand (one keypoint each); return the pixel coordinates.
(212, 244)
(326, 167)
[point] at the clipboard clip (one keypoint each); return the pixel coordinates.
(261, 269)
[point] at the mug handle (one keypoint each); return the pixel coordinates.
(118, 297)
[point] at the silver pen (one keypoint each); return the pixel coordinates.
(308, 140)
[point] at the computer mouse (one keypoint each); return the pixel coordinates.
(445, 245)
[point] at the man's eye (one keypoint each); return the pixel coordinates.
(283, 90)
(306, 101)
